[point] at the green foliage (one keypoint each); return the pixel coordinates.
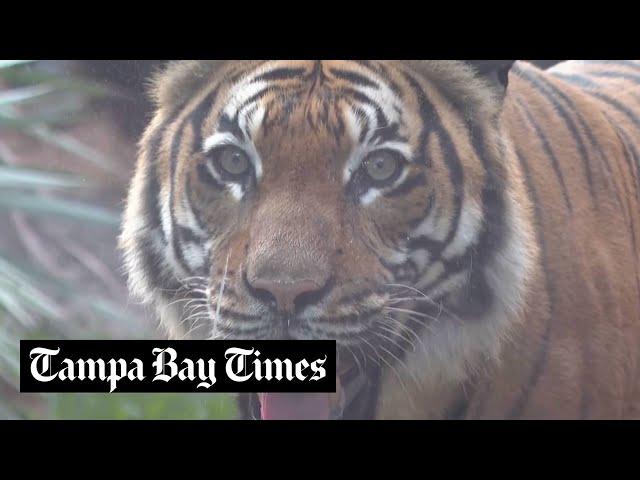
(34, 303)
(123, 406)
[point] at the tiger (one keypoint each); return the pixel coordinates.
(465, 230)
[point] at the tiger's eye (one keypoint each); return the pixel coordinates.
(382, 165)
(234, 160)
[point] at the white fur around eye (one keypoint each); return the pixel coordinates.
(220, 138)
(236, 191)
(369, 197)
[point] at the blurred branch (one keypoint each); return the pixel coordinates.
(18, 177)
(17, 95)
(93, 264)
(39, 249)
(72, 209)
(42, 132)
(13, 63)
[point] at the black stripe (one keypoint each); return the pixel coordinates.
(630, 153)
(456, 177)
(379, 68)
(382, 130)
(339, 127)
(188, 235)
(626, 142)
(388, 133)
(175, 237)
(314, 297)
(593, 140)
(434, 247)
(199, 116)
(382, 236)
(584, 126)
(153, 263)
(350, 318)
(358, 96)
(452, 161)
(205, 176)
(623, 63)
(256, 332)
(196, 211)
(196, 118)
(605, 159)
(548, 150)
(151, 192)
(392, 268)
(285, 73)
(366, 127)
(617, 75)
(146, 247)
(429, 115)
(249, 117)
(232, 79)
(408, 272)
(585, 82)
(311, 121)
(257, 97)
(408, 186)
(324, 117)
(479, 296)
(230, 125)
(381, 118)
(453, 267)
(230, 314)
(425, 215)
(551, 93)
(354, 78)
(365, 403)
(395, 88)
(151, 188)
(367, 65)
(577, 80)
(358, 297)
(630, 114)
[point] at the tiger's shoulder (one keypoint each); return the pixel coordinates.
(575, 132)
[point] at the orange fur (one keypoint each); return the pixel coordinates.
(533, 234)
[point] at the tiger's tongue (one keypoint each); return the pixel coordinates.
(295, 406)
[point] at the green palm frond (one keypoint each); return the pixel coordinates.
(40, 303)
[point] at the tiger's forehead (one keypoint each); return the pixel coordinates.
(345, 97)
(370, 74)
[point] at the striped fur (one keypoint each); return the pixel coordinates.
(495, 275)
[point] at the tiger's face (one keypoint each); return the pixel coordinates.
(347, 200)
(308, 186)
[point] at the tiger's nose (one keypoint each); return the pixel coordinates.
(286, 295)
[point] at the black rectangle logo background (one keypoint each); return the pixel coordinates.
(294, 350)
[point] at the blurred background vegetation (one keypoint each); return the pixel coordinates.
(67, 147)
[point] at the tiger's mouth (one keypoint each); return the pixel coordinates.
(354, 398)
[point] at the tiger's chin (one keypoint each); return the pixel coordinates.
(357, 373)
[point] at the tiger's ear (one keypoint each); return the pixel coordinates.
(175, 84)
(495, 71)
